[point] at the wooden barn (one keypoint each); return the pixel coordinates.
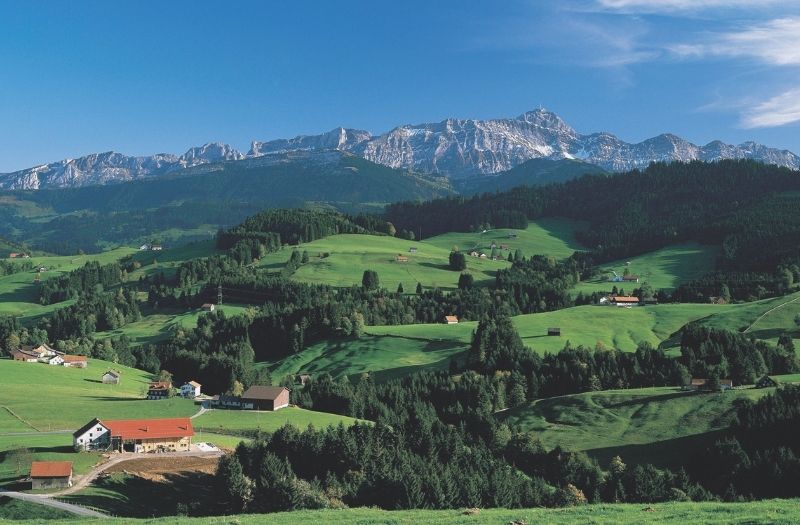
(51, 475)
(265, 398)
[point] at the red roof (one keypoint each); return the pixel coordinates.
(150, 428)
(625, 299)
(73, 358)
(51, 469)
(451, 318)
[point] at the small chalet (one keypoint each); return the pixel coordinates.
(265, 398)
(400, 258)
(450, 319)
(135, 435)
(302, 379)
(630, 278)
(75, 361)
(702, 384)
(51, 474)
(624, 300)
(144, 247)
(159, 390)
(412, 250)
(208, 307)
(191, 389)
(226, 401)
(554, 331)
(111, 377)
(156, 247)
(766, 382)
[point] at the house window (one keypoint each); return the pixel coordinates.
(99, 429)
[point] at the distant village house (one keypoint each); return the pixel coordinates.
(190, 389)
(111, 377)
(265, 398)
(450, 319)
(159, 390)
(400, 258)
(702, 384)
(766, 382)
(208, 307)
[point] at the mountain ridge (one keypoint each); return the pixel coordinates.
(457, 148)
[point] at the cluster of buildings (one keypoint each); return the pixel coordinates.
(163, 390)
(135, 435)
(44, 354)
(151, 247)
(16, 255)
(255, 398)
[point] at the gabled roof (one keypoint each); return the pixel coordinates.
(112, 372)
(625, 299)
(150, 428)
(74, 358)
(85, 428)
(450, 318)
(194, 384)
(269, 393)
(159, 385)
(51, 469)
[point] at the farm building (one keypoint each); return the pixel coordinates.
(555, 331)
(450, 319)
(75, 361)
(702, 384)
(191, 389)
(15, 255)
(55, 360)
(624, 300)
(24, 355)
(135, 435)
(400, 258)
(265, 398)
(766, 382)
(226, 401)
(630, 278)
(111, 377)
(51, 474)
(156, 247)
(412, 250)
(159, 390)
(208, 307)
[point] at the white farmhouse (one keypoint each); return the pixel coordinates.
(190, 389)
(92, 436)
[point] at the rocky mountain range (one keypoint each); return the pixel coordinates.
(454, 147)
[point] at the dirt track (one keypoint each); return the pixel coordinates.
(167, 465)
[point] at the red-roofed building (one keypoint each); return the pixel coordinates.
(74, 361)
(450, 319)
(135, 435)
(624, 300)
(51, 474)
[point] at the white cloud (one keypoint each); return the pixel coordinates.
(670, 6)
(776, 42)
(777, 111)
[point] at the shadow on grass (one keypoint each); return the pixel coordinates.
(155, 496)
(668, 453)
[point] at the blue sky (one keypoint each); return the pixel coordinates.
(145, 77)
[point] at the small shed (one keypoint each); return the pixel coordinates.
(111, 377)
(51, 474)
(400, 258)
(766, 382)
(555, 331)
(450, 319)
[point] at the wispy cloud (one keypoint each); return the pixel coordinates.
(670, 6)
(776, 42)
(779, 110)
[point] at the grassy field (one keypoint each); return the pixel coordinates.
(156, 327)
(773, 512)
(766, 319)
(55, 398)
(18, 291)
(386, 357)
(550, 236)
(13, 509)
(665, 268)
(350, 255)
(218, 421)
(655, 425)
(17, 453)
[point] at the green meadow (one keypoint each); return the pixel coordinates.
(17, 453)
(383, 356)
(662, 269)
(350, 254)
(551, 236)
(772, 512)
(18, 291)
(218, 421)
(158, 326)
(48, 397)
